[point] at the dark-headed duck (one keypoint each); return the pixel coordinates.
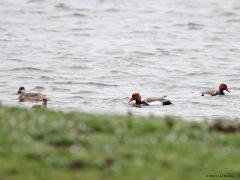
(222, 87)
(43, 106)
(30, 96)
(138, 100)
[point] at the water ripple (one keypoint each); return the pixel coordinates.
(92, 55)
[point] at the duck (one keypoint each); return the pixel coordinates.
(44, 104)
(147, 101)
(222, 87)
(30, 96)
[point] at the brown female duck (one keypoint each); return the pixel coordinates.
(30, 96)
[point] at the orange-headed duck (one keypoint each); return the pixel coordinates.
(222, 87)
(30, 96)
(137, 98)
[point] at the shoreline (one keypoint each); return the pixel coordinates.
(132, 112)
(48, 144)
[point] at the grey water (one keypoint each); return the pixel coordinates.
(91, 55)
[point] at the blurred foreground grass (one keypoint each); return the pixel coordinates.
(46, 144)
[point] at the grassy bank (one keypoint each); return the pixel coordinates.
(47, 145)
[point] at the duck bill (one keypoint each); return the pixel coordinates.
(227, 90)
(18, 92)
(130, 100)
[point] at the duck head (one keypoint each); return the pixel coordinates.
(136, 97)
(223, 87)
(45, 101)
(21, 90)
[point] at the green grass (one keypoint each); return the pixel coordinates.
(46, 144)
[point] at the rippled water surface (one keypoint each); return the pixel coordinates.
(91, 55)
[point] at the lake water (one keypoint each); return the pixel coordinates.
(91, 55)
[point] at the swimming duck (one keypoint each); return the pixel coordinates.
(44, 104)
(147, 101)
(36, 97)
(222, 87)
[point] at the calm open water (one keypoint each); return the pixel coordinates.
(91, 55)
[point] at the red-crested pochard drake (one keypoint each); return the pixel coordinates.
(222, 87)
(30, 96)
(138, 100)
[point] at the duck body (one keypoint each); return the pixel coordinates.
(213, 92)
(222, 87)
(33, 97)
(148, 101)
(152, 100)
